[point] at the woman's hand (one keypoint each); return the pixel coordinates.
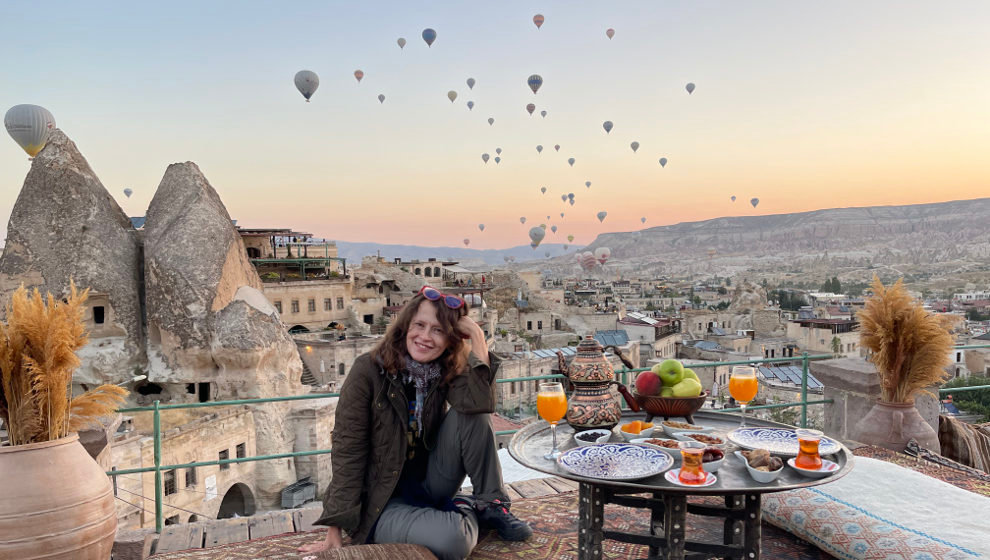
(333, 540)
(470, 329)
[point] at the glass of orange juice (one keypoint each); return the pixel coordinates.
(551, 404)
(808, 457)
(743, 386)
(692, 454)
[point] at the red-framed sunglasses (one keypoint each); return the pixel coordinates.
(434, 294)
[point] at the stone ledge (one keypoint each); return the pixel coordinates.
(854, 375)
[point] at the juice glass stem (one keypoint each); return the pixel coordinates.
(554, 453)
(742, 423)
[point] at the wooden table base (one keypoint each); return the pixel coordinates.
(668, 525)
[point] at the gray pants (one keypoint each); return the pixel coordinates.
(465, 447)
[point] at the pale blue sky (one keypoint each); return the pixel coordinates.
(804, 105)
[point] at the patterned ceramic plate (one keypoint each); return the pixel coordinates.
(778, 441)
(671, 477)
(615, 461)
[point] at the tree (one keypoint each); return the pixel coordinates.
(836, 345)
(728, 281)
(836, 285)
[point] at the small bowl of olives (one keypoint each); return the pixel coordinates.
(591, 437)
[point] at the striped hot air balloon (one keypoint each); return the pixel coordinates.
(29, 126)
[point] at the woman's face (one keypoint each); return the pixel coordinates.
(426, 339)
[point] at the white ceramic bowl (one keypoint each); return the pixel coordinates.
(647, 433)
(686, 436)
(603, 436)
(713, 466)
(672, 431)
(675, 453)
(828, 469)
(759, 476)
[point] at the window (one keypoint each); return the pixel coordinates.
(436, 271)
(278, 306)
(429, 272)
(529, 325)
(295, 306)
(169, 481)
(327, 304)
(539, 325)
(241, 451)
(340, 370)
(99, 317)
(512, 388)
(419, 272)
(312, 305)
(958, 356)
(172, 520)
(224, 455)
(340, 303)
(190, 477)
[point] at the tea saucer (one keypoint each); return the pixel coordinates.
(828, 469)
(671, 477)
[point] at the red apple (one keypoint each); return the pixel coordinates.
(647, 383)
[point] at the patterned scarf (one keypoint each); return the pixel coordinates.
(422, 375)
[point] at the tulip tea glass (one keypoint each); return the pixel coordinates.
(692, 472)
(551, 404)
(808, 457)
(743, 386)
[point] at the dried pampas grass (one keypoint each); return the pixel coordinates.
(910, 346)
(38, 347)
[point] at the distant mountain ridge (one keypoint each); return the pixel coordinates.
(354, 251)
(928, 232)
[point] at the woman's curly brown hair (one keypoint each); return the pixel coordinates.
(391, 350)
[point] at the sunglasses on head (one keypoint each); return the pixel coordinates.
(434, 294)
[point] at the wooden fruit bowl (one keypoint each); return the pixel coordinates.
(670, 407)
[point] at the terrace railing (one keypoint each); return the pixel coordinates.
(157, 408)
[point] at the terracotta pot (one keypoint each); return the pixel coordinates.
(57, 503)
(892, 425)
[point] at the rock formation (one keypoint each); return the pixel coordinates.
(65, 225)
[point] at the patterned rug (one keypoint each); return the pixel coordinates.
(554, 521)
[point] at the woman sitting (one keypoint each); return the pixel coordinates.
(399, 456)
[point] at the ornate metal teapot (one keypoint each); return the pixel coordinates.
(592, 405)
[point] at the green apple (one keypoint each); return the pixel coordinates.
(687, 388)
(689, 373)
(667, 392)
(671, 372)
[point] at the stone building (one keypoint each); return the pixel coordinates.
(312, 305)
(328, 356)
(816, 335)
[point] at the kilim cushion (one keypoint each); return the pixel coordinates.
(880, 510)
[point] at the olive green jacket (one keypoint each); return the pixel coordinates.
(369, 436)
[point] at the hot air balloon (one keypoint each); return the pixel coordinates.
(470, 105)
(588, 260)
(484, 158)
(733, 198)
(570, 161)
(538, 20)
(553, 229)
(754, 201)
(601, 216)
(565, 246)
(506, 258)
(451, 95)
(491, 121)
(358, 74)
(663, 162)
(429, 36)
(556, 147)
(602, 254)
(544, 226)
(470, 83)
(543, 114)
(522, 220)
(561, 214)
(29, 126)
(534, 81)
(610, 33)
(689, 88)
(548, 217)
(530, 108)
(570, 196)
(306, 83)
(607, 125)
(642, 220)
(543, 190)
(539, 148)
(563, 197)
(402, 42)
(547, 254)
(498, 151)
(587, 184)
(571, 201)
(481, 227)
(634, 146)
(498, 159)
(467, 241)
(570, 238)
(536, 234)
(128, 192)
(381, 98)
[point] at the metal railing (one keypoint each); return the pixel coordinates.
(971, 388)
(157, 408)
